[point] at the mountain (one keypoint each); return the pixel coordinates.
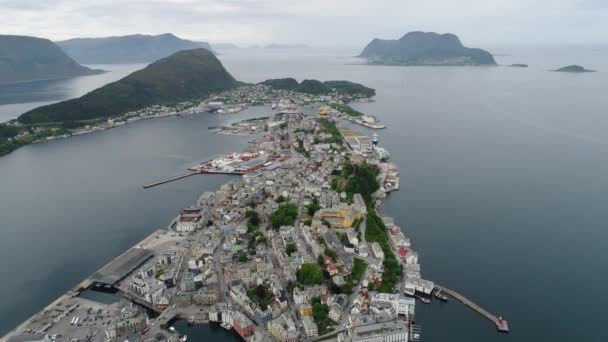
(224, 46)
(185, 75)
(425, 48)
(24, 59)
(127, 49)
(286, 46)
(573, 68)
(316, 87)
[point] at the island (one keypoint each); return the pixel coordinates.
(425, 48)
(573, 69)
(27, 59)
(136, 48)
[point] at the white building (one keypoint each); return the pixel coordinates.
(377, 250)
(310, 327)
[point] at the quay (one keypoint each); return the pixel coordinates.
(501, 324)
(171, 179)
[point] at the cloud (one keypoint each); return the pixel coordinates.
(314, 22)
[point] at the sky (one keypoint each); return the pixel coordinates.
(313, 22)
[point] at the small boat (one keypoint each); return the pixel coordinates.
(185, 338)
(226, 326)
(423, 299)
(441, 296)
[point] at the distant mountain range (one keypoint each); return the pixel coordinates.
(219, 47)
(425, 48)
(25, 59)
(286, 46)
(136, 48)
(185, 75)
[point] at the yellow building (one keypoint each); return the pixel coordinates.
(324, 111)
(305, 310)
(341, 217)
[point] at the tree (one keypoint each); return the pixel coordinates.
(285, 215)
(313, 206)
(310, 274)
(291, 248)
(243, 257)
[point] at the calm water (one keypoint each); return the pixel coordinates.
(503, 175)
(16, 99)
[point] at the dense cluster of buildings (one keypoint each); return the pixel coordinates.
(226, 260)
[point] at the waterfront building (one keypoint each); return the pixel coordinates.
(393, 331)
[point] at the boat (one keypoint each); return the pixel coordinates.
(423, 299)
(375, 139)
(226, 326)
(441, 296)
(185, 338)
(382, 153)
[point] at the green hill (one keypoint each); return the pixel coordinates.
(315, 87)
(185, 75)
(137, 48)
(425, 48)
(25, 59)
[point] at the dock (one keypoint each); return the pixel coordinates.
(501, 324)
(171, 179)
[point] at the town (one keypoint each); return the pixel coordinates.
(294, 249)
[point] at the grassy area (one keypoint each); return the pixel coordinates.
(348, 110)
(376, 232)
(356, 178)
(329, 127)
(310, 274)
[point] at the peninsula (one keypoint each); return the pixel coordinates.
(294, 249)
(27, 59)
(425, 48)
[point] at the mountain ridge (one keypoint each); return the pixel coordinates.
(28, 59)
(135, 48)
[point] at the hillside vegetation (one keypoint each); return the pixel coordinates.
(186, 75)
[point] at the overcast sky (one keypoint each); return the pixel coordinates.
(313, 22)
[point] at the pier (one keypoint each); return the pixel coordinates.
(501, 324)
(171, 179)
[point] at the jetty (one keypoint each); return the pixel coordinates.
(501, 324)
(171, 179)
